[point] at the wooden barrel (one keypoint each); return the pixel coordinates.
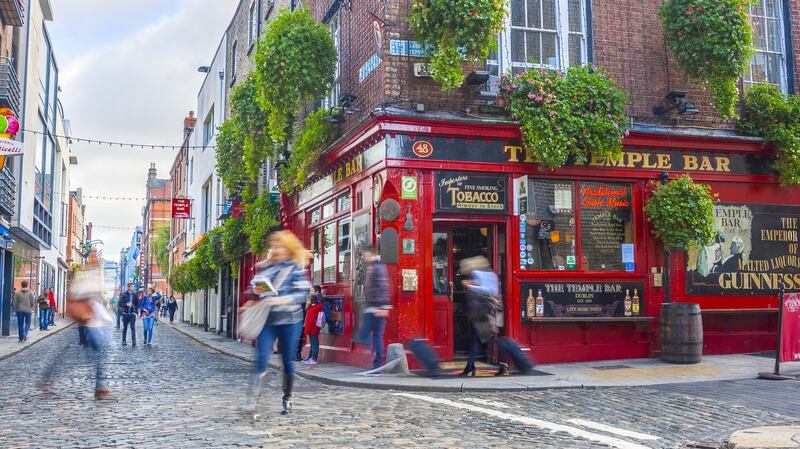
(681, 333)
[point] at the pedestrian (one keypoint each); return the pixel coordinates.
(44, 310)
(85, 307)
(148, 310)
(117, 311)
(51, 298)
(482, 287)
(127, 306)
(23, 306)
(315, 318)
(172, 307)
(377, 304)
(282, 282)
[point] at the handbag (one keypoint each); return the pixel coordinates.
(80, 311)
(255, 316)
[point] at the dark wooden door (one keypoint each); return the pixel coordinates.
(442, 293)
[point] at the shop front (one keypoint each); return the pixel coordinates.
(582, 277)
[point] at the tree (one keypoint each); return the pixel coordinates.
(161, 247)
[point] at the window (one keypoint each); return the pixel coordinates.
(343, 203)
(233, 62)
(208, 127)
(768, 63)
(542, 33)
(191, 169)
(332, 100)
(316, 271)
(252, 22)
(329, 255)
(344, 250)
(603, 212)
(328, 210)
(206, 224)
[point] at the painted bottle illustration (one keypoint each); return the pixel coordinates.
(635, 305)
(539, 303)
(530, 305)
(628, 303)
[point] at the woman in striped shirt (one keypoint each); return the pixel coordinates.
(284, 269)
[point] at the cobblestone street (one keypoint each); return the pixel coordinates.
(179, 394)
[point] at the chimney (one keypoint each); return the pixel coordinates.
(151, 174)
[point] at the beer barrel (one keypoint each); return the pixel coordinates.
(681, 333)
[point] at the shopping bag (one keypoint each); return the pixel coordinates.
(253, 320)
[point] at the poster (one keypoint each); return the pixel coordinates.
(790, 328)
(754, 249)
(583, 299)
(335, 319)
(466, 192)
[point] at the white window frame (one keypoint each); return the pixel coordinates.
(747, 76)
(252, 23)
(335, 29)
(208, 127)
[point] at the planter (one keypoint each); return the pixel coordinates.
(681, 333)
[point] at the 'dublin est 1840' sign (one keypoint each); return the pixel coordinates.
(471, 192)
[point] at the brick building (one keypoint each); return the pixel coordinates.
(157, 212)
(76, 228)
(177, 176)
(405, 147)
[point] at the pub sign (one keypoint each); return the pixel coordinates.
(467, 192)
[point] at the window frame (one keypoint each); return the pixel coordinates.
(334, 26)
(208, 127)
(252, 21)
(786, 80)
(334, 219)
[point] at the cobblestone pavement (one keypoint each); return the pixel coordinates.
(177, 394)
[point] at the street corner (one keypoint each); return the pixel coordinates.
(768, 437)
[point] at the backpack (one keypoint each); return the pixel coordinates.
(321, 321)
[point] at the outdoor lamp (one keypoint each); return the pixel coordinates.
(679, 102)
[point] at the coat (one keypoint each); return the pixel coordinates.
(312, 313)
(52, 299)
(23, 301)
(43, 302)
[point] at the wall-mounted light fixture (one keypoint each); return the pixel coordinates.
(679, 102)
(345, 102)
(204, 69)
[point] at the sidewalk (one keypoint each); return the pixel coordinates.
(11, 345)
(608, 373)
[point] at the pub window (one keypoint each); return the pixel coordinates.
(315, 217)
(316, 272)
(768, 63)
(344, 250)
(329, 253)
(343, 203)
(549, 238)
(606, 225)
(328, 210)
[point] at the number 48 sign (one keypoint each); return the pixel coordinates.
(408, 188)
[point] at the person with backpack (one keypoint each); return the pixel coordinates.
(44, 310)
(315, 320)
(377, 304)
(23, 305)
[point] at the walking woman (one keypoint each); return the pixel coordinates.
(282, 282)
(172, 306)
(482, 290)
(148, 311)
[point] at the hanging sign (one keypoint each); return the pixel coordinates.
(470, 192)
(10, 147)
(790, 328)
(181, 208)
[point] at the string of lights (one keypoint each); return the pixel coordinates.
(112, 143)
(113, 228)
(106, 197)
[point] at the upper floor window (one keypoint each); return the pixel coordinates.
(332, 100)
(208, 127)
(233, 61)
(252, 23)
(768, 64)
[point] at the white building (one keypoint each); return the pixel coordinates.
(203, 185)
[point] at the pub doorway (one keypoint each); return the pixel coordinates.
(453, 243)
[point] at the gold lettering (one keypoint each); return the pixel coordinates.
(664, 161)
(633, 159)
(647, 162)
(705, 164)
(689, 162)
(512, 152)
(595, 162)
(723, 163)
(529, 156)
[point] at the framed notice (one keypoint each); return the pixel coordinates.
(466, 192)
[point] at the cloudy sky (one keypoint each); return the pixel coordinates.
(128, 72)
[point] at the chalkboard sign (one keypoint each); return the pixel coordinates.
(471, 192)
(605, 224)
(582, 299)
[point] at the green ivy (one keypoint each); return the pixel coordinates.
(234, 242)
(161, 247)
(295, 63)
(449, 29)
(775, 116)
(204, 263)
(260, 216)
(181, 278)
(712, 41)
(230, 156)
(567, 117)
(313, 137)
(682, 213)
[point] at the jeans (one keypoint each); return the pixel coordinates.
(52, 316)
(23, 324)
(119, 318)
(371, 324)
(474, 344)
(314, 353)
(171, 315)
(147, 324)
(82, 336)
(129, 320)
(97, 340)
(44, 318)
(287, 335)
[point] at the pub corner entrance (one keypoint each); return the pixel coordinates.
(452, 243)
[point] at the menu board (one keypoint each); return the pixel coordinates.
(582, 299)
(605, 224)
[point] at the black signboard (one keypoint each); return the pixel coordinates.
(471, 192)
(335, 318)
(755, 248)
(633, 157)
(582, 299)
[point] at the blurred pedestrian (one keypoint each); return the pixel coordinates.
(377, 304)
(482, 287)
(44, 310)
(315, 319)
(148, 310)
(117, 311)
(281, 282)
(51, 298)
(23, 306)
(127, 306)
(172, 307)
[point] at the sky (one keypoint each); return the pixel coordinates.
(128, 72)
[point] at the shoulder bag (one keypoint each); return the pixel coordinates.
(255, 316)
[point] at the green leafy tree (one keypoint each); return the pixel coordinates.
(234, 242)
(314, 136)
(260, 217)
(161, 247)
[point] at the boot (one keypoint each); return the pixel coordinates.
(469, 370)
(255, 391)
(288, 385)
(503, 371)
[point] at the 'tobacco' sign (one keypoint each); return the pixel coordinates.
(790, 329)
(181, 208)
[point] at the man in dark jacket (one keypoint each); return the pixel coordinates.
(377, 304)
(127, 306)
(23, 305)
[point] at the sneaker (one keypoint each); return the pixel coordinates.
(310, 362)
(134, 345)
(124, 343)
